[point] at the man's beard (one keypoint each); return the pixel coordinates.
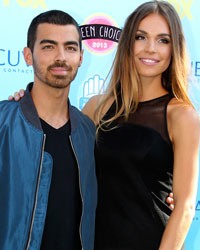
(55, 81)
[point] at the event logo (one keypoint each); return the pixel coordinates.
(196, 218)
(183, 7)
(13, 61)
(28, 3)
(92, 86)
(198, 206)
(196, 68)
(100, 34)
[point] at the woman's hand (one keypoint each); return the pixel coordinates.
(17, 96)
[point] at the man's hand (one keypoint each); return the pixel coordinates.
(17, 96)
(170, 200)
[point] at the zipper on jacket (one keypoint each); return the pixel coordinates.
(36, 194)
(79, 189)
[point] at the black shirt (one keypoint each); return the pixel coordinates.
(61, 231)
(134, 163)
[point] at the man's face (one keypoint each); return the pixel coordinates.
(56, 55)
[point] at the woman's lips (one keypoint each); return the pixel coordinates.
(149, 61)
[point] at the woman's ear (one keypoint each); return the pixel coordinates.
(28, 56)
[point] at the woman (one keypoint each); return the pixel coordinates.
(147, 137)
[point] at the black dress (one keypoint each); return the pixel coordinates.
(134, 165)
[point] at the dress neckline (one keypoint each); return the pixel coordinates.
(155, 99)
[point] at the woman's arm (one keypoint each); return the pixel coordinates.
(90, 107)
(184, 130)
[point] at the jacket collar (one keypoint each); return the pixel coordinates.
(28, 108)
(30, 112)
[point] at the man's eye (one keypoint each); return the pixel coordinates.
(71, 48)
(48, 47)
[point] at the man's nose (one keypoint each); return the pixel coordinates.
(60, 55)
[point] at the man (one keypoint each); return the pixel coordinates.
(48, 188)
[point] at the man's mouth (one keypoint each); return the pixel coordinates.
(59, 69)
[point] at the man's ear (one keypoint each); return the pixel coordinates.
(28, 56)
(81, 58)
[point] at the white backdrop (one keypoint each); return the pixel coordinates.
(16, 15)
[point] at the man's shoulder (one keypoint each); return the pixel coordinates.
(75, 111)
(77, 115)
(8, 105)
(8, 110)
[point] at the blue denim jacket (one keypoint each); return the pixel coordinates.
(25, 174)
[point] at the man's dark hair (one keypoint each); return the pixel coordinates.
(52, 17)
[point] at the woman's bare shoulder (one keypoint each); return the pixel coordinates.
(177, 110)
(91, 106)
(181, 117)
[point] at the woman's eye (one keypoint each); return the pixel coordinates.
(140, 37)
(164, 40)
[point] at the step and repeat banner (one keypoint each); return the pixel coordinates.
(99, 44)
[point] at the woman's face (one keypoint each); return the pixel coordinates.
(152, 47)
